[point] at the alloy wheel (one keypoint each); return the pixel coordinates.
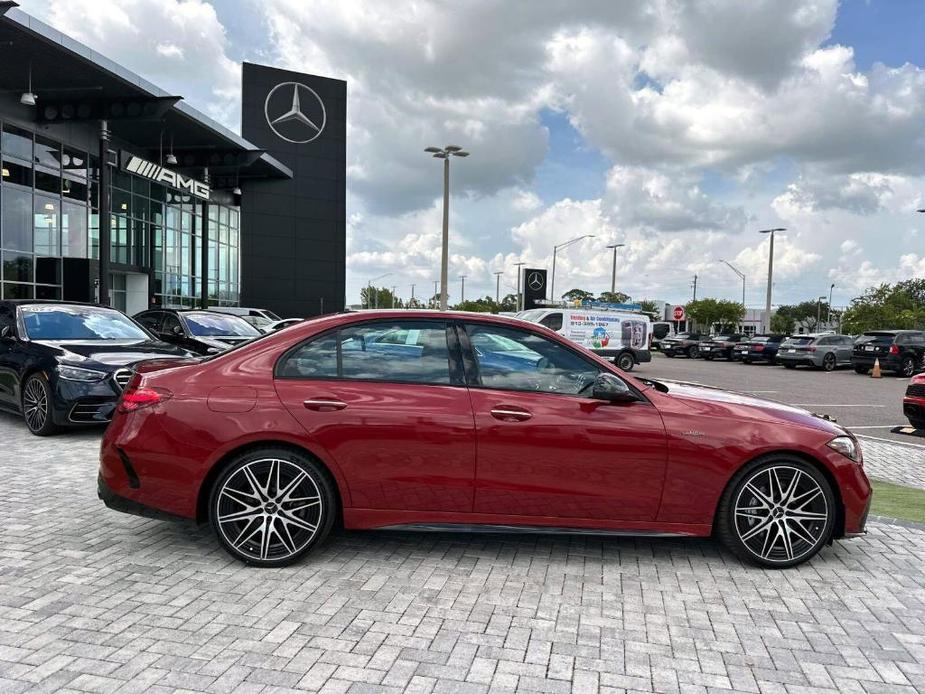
(781, 514)
(828, 362)
(35, 404)
(908, 366)
(268, 510)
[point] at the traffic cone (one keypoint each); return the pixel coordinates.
(875, 373)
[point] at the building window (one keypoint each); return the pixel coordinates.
(16, 219)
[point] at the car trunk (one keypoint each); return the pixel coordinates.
(874, 344)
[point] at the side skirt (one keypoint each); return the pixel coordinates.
(524, 530)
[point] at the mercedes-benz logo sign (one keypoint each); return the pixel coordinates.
(295, 112)
(535, 281)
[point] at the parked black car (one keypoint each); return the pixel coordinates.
(687, 344)
(899, 351)
(760, 348)
(719, 346)
(200, 332)
(66, 364)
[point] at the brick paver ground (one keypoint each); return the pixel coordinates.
(96, 601)
(899, 463)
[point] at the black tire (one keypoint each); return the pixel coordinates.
(829, 362)
(625, 361)
(906, 366)
(731, 527)
(670, 355)
(789, 366)
(266, 512)
(708, 358)
(37, 405)
(746, 360)
(917, 423)
(693, 352)
(861, 369)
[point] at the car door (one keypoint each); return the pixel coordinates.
(398, 425)
(545, 448)
(10, 358)
(844, 348)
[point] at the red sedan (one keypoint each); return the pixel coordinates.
(458, 421)
(914, 402)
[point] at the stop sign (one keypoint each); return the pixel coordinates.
(678, 313)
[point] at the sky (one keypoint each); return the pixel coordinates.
(677, 127)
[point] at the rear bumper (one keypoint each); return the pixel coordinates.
(799, 359)
(888, 362)
(914, 409)
(130, 506)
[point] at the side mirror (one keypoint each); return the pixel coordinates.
(177, 330)
(612, 389)
(6, 333)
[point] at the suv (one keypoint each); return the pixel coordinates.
(719, 346)
(760, 348)
(683, 343)
(900, 351)
(822, 350)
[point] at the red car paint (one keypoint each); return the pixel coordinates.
(409, 453)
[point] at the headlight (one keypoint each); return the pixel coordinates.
(73, 373)
(847, 446)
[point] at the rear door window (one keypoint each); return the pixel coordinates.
(553, 321)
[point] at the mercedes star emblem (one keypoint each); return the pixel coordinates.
(535, 281)
(290, 119)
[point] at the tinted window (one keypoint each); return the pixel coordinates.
(150, 321)
(660, 330)
(882, 338)
(535, 364)
(553, 321)
(53, 322)
(404, 352)
(171, 324)
(217, 325)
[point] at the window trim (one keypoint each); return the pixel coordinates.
(455, 370)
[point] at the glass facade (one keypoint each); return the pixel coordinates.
(49, 195)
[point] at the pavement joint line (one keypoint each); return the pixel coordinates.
(829, 404)
(893, 441)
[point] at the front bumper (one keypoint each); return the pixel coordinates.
(78, 402)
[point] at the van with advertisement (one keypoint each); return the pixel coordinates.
(622, 335)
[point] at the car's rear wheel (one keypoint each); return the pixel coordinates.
(670, 355)
(907, 366)
(270, 507)
(625, 361)
(746, 360)
(787, 365)
(861, 369)
(777, 512)
(828, 362)
(707, 358)
(693, 352)
(37, 402)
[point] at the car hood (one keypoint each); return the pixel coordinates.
(759, 408)
(111, 352)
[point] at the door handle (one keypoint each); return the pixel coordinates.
(324, 405)
(510, 414)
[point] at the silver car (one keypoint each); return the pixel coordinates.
(824, 351)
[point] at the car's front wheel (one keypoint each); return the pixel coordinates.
(907, 366)
(829, 362)
(861, 369)
(37, 404)
(777, 512)
(271, 507)
(693, 352)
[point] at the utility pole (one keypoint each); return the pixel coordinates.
(393, 296)
(412, 296)
(436, 282)
(613, 275)
(462, 289)
(520, 303)
(828, 317)
(498, 287)
(767, 304)
(695, 288)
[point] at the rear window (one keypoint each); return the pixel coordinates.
(660, 330)
(726, 338)
(760, 338)
(867, 338)
(800, 340)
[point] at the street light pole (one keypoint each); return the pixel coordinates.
(393, 296)
(555, 250)
(498, 287)
(445, 153)
(741, 276)
(819, 310)
(828, 313)
(369, 290)
(520, 303)
(412, 296)
(436, 282)
(767, 303)
(613, 275)
(462, 289)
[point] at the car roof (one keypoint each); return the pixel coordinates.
(52, 302)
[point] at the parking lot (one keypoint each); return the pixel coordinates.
(92, 600)
(865, 405)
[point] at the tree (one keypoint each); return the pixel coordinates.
(485, 305)
(379, 297)
(652, 306)
(614, 297)
(899, 306)
(577, 295)
(508, 303)
(806, 314)
(782, 322)
(712, 312)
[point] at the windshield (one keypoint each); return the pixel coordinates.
(52, 322)
(531, 315)
(218, 325)
(269, 315)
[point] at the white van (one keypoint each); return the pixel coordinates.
(621, 335)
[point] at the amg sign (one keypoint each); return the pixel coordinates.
(148, 169)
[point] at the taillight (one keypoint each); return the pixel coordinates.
(758, 348)
(812, 349)
(894, 349)
(138, 398)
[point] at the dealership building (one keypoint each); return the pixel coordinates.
(118, 192)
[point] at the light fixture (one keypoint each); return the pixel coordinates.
(49, 206)
(236, 191)
(28, 97)
(6, 172)
(171, 158)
